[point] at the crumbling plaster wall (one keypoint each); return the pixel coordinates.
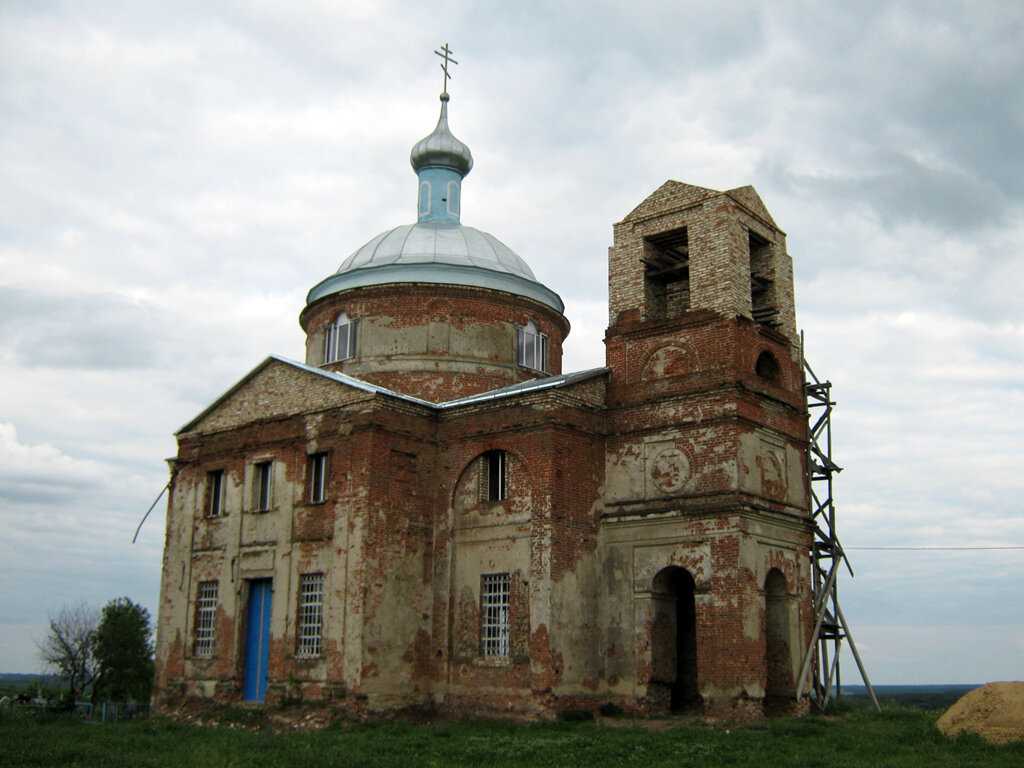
(544, 535)
(728, 557)
(369, 544)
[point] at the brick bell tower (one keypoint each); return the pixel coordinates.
(705, 526)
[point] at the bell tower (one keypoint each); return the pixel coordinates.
(706, 458)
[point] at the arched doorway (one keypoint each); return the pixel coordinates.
(778, 664)
(674, 638)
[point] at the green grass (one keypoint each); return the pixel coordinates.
(900, 736)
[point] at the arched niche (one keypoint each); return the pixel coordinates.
(674, 673)
(767, 367)
(779, 684)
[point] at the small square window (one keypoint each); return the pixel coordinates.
(215, 493)
(206, 616)
(495, 589)
(311, 612)
(318, 478)
(263, 486)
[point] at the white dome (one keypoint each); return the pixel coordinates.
(439, 244)
(439, 253)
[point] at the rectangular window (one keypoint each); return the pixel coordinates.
(206, 616)
(493, 478)
(340, 340)
(263, 486)
(215, 490)
(496, 475)
(318, 478)
(311, 612)
(532, 348)
(494, 614)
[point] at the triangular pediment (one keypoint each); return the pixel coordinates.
(671, 194)
(747, 197)
(276, 387)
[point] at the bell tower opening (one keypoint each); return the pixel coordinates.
(763, 306)
(666, 259)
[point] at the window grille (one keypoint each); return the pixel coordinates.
(318, 478)
(311, 611)
(494, 614)
(215, 488)
(340, 339)
(206, 616)
(493, 476)
(263, 486)
(532, 348)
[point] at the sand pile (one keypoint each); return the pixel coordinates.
(995, 712)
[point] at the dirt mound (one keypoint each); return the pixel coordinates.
(995, 712)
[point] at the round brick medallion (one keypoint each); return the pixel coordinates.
(670, 470)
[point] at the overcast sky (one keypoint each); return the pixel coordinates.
(175, 177)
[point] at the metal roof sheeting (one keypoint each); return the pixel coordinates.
(437, 253)
(534, 385)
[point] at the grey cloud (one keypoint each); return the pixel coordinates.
(36, 491)
(872, 89)
(900, 190)
(79, 331)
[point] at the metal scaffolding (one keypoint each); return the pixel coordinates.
(830, 626)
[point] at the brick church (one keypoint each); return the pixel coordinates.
(428, 513)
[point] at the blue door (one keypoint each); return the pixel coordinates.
(257, 639)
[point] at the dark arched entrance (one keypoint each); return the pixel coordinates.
(674, 638)
(779, 675)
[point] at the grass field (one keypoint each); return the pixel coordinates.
(900, 736)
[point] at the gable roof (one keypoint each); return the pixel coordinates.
(747, 197)
(684, 195)
(534, 385)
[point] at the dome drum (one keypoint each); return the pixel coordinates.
(436, 342)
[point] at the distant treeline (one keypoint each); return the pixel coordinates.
(20, 681)
(936, 696)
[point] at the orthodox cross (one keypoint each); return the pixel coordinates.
(446, 54)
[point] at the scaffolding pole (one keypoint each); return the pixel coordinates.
(827, 557)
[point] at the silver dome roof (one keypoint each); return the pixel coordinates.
(441, 148)
(440, 253)
(438, 244)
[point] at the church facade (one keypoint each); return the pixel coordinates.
(427, 512)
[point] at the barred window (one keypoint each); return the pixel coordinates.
(206, 615)
(262, 486)
(311, 612)
(493, 476)
(531, 348)
(215, 489)
(494, 618)
(340, 339)
(318, 477)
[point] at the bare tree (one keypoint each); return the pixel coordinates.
(70, 646)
